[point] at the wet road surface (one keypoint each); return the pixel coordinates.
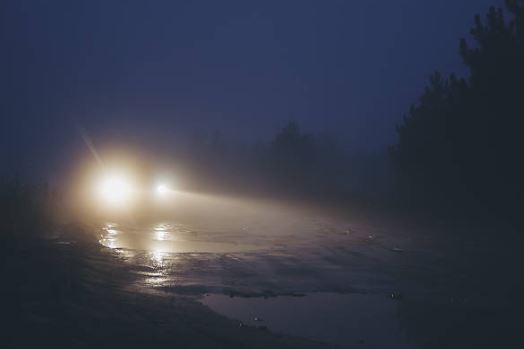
(290, 270)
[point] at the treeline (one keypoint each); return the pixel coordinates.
(463, 143)
(460, 146)
(293, 163)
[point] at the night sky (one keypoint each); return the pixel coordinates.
(152, 71)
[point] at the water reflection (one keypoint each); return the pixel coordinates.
(172, 238)
(157, 258)
(161, 227)
(348, 320)
(109, 236)
(160, 232)
(114, 238)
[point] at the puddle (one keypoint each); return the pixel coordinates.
(347, 320)
(285, 259)
(164, 238)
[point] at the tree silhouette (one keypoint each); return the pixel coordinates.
(291, 149)
(464, 136)
(291, 156)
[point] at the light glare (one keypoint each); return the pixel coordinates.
(162, 190)
(115, 190)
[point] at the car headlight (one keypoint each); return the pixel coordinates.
(115, 190)
(163, 190)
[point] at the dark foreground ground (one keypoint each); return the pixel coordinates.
(74, 295)
(464, 290)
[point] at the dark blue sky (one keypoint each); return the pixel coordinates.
(152, 71)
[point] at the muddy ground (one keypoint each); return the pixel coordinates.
(263, 277)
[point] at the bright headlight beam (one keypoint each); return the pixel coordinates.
(115, 189)
(162, 189)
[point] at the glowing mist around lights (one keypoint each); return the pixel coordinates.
(115, 190)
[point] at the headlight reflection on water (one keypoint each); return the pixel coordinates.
(109, 237)
(157, 258)
(160, 233)
(113, 237)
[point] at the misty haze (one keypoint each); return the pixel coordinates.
(282, 174)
